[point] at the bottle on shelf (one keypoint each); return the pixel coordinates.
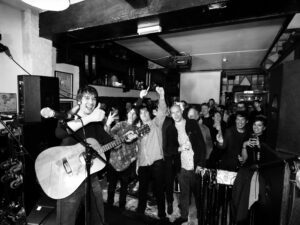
(106, 80)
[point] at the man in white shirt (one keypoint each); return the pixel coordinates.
(192, 154)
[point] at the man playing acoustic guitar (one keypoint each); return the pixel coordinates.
(87, 125)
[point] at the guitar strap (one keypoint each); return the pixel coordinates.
(95, 154)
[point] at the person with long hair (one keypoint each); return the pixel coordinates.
(150, 160)
(122, 160)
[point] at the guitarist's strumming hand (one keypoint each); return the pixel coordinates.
(97, 115)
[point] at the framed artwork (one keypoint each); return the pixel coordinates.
(65, 106)
(65, 84)
(8, 103)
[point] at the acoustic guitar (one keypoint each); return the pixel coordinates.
(60, 170)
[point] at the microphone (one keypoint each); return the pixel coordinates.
(50, 113)
(3, 48)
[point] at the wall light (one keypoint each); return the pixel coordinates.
(219, 5)
(149, 26)
(149, 30)
(51, 5)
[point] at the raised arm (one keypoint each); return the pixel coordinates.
(96, 116)
(143, 93)
(222, 141)
(162, 107)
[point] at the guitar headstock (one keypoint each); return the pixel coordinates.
(144, 129)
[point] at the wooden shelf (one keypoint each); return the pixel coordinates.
(107, 91)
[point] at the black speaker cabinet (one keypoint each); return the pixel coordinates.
(284, 107)
(44, 212)
(36, 137)
(35, 93)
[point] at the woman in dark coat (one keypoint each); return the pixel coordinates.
(250, 189)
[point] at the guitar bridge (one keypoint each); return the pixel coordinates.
(83, 158)
(67, 166)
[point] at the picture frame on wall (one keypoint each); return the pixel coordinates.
(65, 84)
(65, 106)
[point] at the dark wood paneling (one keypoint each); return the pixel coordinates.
(284, 124)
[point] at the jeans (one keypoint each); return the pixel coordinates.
(125, 177)
(155, 172)
(171, 170)
(69, 207)
(189, 183)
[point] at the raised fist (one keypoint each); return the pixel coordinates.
(144, 93)
(160, 91)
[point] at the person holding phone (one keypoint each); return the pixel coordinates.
(251, 151)
(251, 187)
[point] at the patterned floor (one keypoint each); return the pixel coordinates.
(151, 210)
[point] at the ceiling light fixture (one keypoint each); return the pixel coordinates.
(51, 5)
(219, 5)
(149, 26)
(149, 30)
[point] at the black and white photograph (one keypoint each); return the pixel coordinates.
(149, 112)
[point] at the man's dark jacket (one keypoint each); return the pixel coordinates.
(170, 140)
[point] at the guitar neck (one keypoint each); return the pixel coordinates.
(117, 142)
(111, 145)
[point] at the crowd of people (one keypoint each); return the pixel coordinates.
(182, 142)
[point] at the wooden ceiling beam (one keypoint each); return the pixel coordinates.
(163, 44)
(94, 13)
(137, 4)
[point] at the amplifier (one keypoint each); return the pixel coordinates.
(35, 93)
(44, 212)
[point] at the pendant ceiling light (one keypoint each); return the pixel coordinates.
(51, 5)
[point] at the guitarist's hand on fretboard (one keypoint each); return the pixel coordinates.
(130, 136)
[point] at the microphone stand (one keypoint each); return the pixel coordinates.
(89, 154)
(5, 49)
(23, 150)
